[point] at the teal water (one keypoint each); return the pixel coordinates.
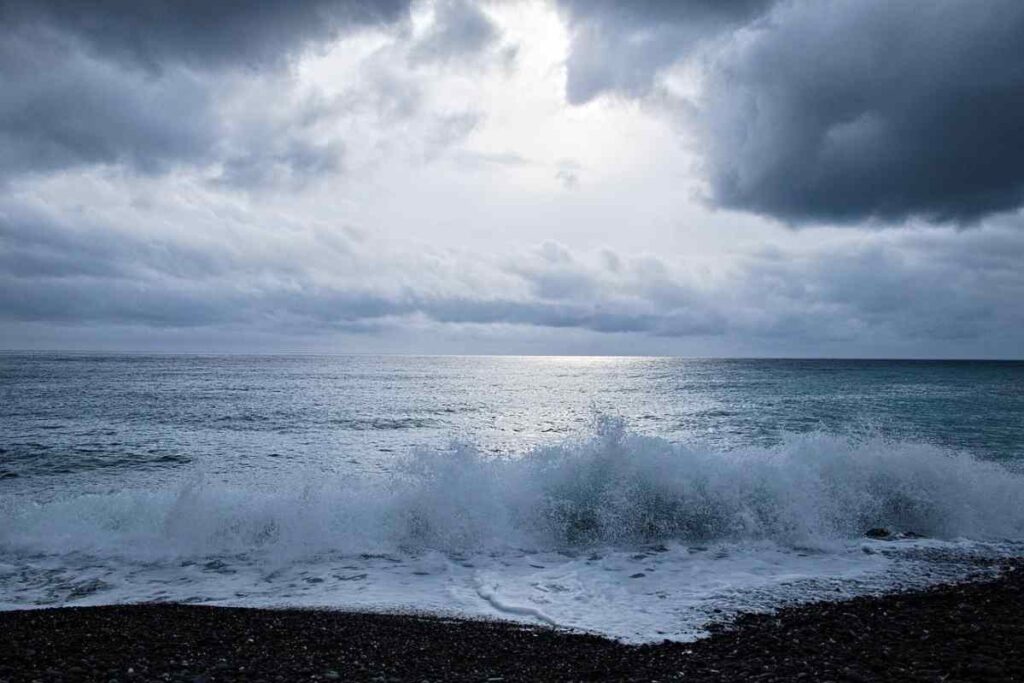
(80, 414)
(636, 497)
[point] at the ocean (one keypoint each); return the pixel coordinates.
(637, 498)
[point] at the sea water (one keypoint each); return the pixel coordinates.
(639, 498)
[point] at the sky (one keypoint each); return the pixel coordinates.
(815, 178)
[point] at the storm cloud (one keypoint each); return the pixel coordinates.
(836, 111)
(203, 35)
(447, 175)
(145, 85)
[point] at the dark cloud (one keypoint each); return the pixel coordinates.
(199, 33)
(844, 111)
(809, 111)
(836, 110)
(60, 108)
(139, 84)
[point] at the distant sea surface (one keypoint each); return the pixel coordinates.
(635, 497)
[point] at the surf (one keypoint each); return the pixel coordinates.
(610, 488)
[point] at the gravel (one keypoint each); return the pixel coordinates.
(962, 632)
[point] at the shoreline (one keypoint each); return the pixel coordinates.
(961, 631)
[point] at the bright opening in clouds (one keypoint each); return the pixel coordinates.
(790, 177)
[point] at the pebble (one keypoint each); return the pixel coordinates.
(971, 631)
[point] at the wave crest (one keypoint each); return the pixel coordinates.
(613, 488)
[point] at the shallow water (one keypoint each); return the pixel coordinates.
(629, 496)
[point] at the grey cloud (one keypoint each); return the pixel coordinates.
(140, 84)
(283, 149)
(142, 278)
(621, 46)
(60, 108)
(36, 246)
(845, 111)
(155, 86)
(554, 274)
(570, 179)
(394, 97)
(916, 288)
(920, 289)
(475, 159)
(835, 110)
(97, 300)
(199, 33)
(568, 174)
(448, 130)
(460, 29)
(284, 161)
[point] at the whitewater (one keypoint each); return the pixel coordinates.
(622, 534)
(601, 525)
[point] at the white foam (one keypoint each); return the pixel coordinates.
(622, 534)
(668, 593)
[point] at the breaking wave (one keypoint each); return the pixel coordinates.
(612, 488)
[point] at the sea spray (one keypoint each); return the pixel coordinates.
(614, 488)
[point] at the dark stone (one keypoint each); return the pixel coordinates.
(878, 532)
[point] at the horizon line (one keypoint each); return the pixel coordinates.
(138, 352)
